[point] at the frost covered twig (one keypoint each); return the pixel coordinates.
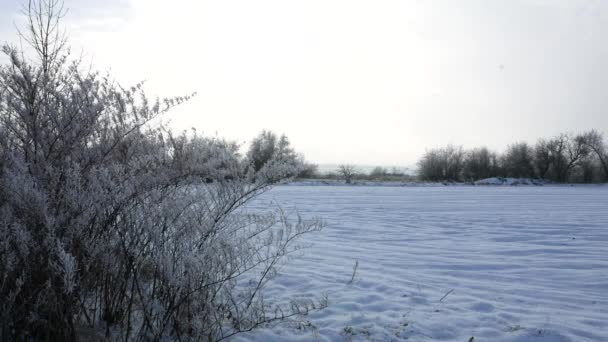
(111, 223)
(355, 266)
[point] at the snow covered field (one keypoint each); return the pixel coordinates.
(511, 264)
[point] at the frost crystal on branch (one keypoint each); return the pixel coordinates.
(112, 225)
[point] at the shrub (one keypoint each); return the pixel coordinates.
(378, 172)
(110, 223)
(308, 170)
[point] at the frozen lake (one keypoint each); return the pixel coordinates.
(517, 264)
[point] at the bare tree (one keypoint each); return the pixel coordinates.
(585, 171)
(442, 164)
(347, 172)
(559, 164)
(542, 158)
(517, 161)
(454, 156)
(594, 140)
(431, 166)
(479, 163)
(565, 157)
(566, 152)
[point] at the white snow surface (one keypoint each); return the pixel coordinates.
(516, 264)
(486, 181)
(509, 181)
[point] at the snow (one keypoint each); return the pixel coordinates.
(509, 181)
(512, 264)
(334, 182)
(487, 181)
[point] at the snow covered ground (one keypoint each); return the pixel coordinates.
(482, 182)
(518, 264)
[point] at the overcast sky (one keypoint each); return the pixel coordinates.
(368, 82)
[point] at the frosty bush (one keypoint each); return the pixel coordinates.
(110, 224)
(267, 146)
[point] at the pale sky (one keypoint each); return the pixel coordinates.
(366, 82)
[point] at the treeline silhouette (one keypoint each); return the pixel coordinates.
(576, 158)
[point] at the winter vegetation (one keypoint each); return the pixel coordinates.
(565, 158)
(577, 158)
(352, 174)
(113, 226)
(347, 171)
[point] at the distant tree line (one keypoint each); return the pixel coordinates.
(580, 158)
(576, 158)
